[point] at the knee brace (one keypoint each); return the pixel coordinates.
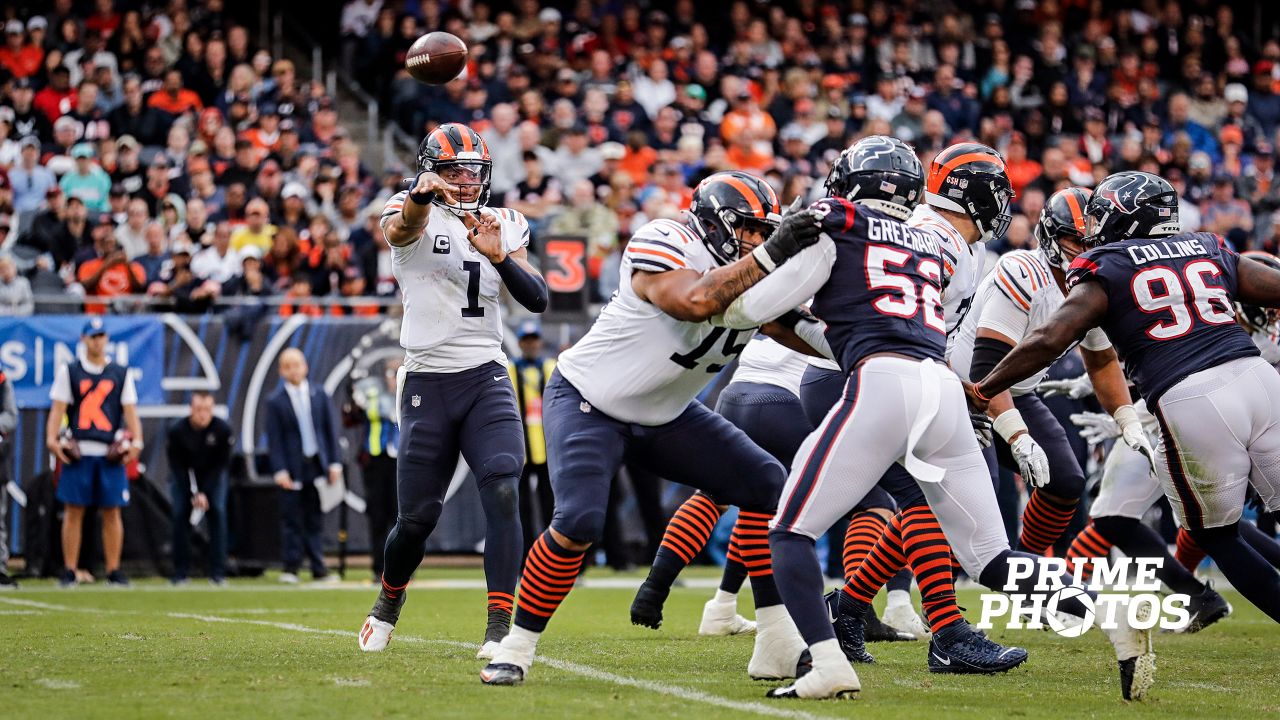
(1069, 485)
(1115, 529)
(499, 466)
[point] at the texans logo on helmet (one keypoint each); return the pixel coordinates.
(1123, 196)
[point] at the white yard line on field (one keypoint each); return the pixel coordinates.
(570, 667)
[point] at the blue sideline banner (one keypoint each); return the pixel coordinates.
(32, 348)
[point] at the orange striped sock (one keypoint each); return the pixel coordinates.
(1189, 552)
(501, 602)
(1044, 521)
(735, 571)
(549, 573)
(391, 591)
(864, 530)
(1088, 544)
(882, 562)
(929, 554)
(753, 547)
(691, 527)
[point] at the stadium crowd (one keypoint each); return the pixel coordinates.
(158, 152)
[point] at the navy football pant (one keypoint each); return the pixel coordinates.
(474, 413)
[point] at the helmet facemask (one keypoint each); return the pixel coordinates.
(721, 234)
(471, 177)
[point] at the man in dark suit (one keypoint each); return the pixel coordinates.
(302, 443)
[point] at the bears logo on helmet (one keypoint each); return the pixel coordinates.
(1256, 318)
(726, 202)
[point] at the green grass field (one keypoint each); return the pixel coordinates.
(259, 650)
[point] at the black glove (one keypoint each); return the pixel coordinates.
(420, 198)
(797, 231)
(982, 427)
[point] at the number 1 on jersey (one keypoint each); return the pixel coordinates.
(473, 308)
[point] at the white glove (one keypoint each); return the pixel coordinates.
(1133, 435)
(1033, 464)
(1073, 388)
(1096, 428)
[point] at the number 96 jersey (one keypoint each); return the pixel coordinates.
(637, 364)
(1170, 306)
(452, 316)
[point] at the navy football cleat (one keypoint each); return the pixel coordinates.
(502, 674)
(1206, 609)
(960, 649)
(850, 628)
(646, 609)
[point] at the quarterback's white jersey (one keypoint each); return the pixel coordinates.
(638, 364)
(452, 317)
(962, 264)
(1017, 296)
(768, 362)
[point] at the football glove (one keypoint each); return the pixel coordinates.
(1133, 435)
(1073, 388)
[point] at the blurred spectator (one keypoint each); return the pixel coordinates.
(575, 160)
(15, 300)
(135, 119)
(256, 230)
(156, 257)
(108, 273)
(1223, 212)
(536, 195)
(218, 261)
(87, 181)
(587, 217)
(199, 450)
(21, 58)
(1020, 168)
(250, 280)
(302, 446)
(1180, 122)
(1188, 210)
(130, 235)
(31, 181)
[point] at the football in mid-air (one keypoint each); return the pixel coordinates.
(436, 58)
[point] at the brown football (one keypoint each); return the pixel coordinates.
(436, 58)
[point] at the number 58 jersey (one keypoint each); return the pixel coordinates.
(452, 314)
(638, 364)
(1170, 306)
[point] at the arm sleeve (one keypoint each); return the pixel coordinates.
(790, 285)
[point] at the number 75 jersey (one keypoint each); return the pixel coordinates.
(1170, 306)
(637, 364)
(452, 314)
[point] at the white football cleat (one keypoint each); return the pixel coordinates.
(289, 578)
(778, 645)
(1134, 652)
(488, 650)
(720, 617)
(905, 619)
(375, 635)
(513, 658)
(831, 677)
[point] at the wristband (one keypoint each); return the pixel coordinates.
(423, 198)
(1125, 415)
(978, 392)
(762, 259)
(1008, 424)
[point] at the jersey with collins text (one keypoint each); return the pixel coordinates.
(1170, 306)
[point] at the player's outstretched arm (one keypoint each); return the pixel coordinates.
(404, 227)
(1257, 284)
(1082, 310)
(1108, 379)
(689, 296)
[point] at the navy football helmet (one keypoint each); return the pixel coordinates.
(1062, 217)
(881, 172)
(727, 201)
(970, 178)
(1131, 204)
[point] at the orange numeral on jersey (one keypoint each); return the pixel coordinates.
(91, 399)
